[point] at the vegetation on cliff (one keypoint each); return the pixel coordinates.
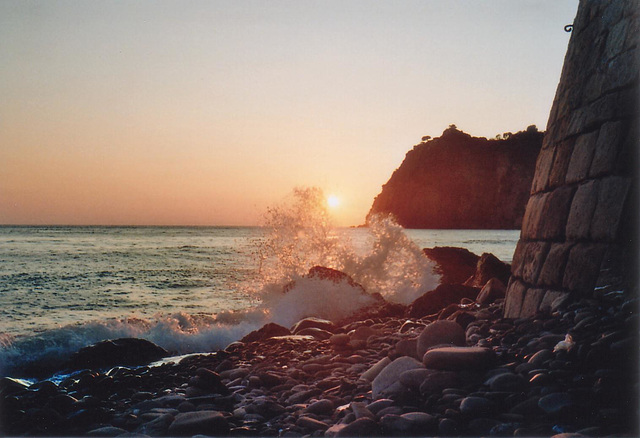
(462, 182)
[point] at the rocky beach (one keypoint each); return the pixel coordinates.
(391, 370)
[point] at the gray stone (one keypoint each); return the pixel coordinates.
(543, 169)
(555, 402)
(554, 214)
(561, 162)
(582, 207)
(607, 215)
(387, 383)
(396, 425)
(106, 431)
(361, 427)
(372, 372)
(534, 256)
(199, 422)
(311, 423)
(533, 215)
(407, 347)
(507, 382)
(360, 410)
(553, 269)
(583, 267)
(475, 406)
(493, 290)
(609, 142)
(513, 301)
(440, 332)
(321, 407)
(581, 157)
(531, 303)
(458, 358)
(436, 381)
(414, 378)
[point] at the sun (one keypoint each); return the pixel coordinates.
(333, 201)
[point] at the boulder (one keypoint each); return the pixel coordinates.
(455, 265)
(440, 332)
(199, 422)
(488, 267)
(387, 384)
(312, 322)
(124, 351)
(458, 358)
(433, 301)
(493, 290)
(267, 331)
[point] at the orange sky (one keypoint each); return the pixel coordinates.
(206, 112)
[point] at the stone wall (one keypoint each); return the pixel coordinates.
(578, 235)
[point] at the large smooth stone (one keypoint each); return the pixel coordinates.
(507, 382)
(387, 383)
(372, 372)
(434, 301)
(312, 322)
(458, 358)
(437, 380)
(267, 331)
(475, 406)
(555, 402)
(124, 351)
(199, 422)
(440, 332)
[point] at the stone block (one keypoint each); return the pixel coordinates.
(544, 164)
(518, 258)
(582, 208)
(583, 268)
(533, 215)
(534, 256)
(626, 163)
(607, 147)
(552, 271)
(549, 297)
(601, 110)
(514, 299)
(531, 302)
(561, 163)
(581, 157)
(622, 71)
(578, 121)
(616, 38)
(554, 213)
(612, 194)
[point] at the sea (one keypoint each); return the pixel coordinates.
(197, 289)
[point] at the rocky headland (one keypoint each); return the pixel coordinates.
(449, 364)
(464, 182)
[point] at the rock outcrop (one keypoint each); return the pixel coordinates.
(464, 182)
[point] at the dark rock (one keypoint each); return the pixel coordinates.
(106, 431)
(493, 290)
(458, 358)
(475, 406)
(436, 381)
(267, 331)
(312, 322)
(125, 351)
(507, 382)
(455, 265)
(361, 427)
(489, 266)
(321, 407)
(555, 402)
(311, 423)
(387, 382)
(199, 422)
(433, 301)
(440, 332)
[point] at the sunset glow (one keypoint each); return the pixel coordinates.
(161, 113)
(333, 201)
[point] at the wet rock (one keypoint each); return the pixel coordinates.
(361, 427)
(311, 423)
(433, 301)
(555, 402)
(437, 333)
(387, 383)
(317, 333)
(199, 422)
(267, 331)
(475, 406)
(208, 380)
(488, 267)
(106, 431)
(321, 407)
(340, 339)
(458, 358)
(455, 265)
(436, 381)
(125, 351)
(507, 382)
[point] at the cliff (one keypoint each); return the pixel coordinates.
(462, 182)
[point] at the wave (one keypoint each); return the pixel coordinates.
(298, 236)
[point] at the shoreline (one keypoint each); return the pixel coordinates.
(570, 369)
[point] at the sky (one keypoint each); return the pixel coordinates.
(207, 112)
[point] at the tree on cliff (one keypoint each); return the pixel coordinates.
(460, 181)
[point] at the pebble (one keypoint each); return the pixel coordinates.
(474, 406)
(387, 384)
(458, 358)
(438, 333)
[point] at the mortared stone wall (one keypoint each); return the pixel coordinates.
(578, 236)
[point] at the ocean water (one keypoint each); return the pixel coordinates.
(192, 289)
